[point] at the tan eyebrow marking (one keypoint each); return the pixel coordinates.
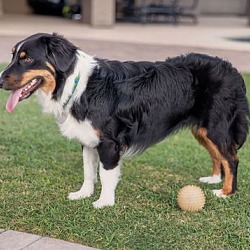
(22, 54)
(50, 66)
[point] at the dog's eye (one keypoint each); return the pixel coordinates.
(27, 59)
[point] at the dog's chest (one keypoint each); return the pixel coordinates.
(82, 131)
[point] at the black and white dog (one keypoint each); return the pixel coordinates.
(115, 109)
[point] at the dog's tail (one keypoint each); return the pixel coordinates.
(240, 124)
(217, 71)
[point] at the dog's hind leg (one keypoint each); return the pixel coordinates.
(230, 184)
(216, 176)
(90, 164)
(223, 159)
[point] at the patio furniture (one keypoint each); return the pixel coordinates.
(187, 8)
(147, 11)
(157, 9)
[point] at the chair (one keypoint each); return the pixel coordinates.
(157, 8)
(187, 8)
(145, 11)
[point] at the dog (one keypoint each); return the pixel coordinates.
(117, 109)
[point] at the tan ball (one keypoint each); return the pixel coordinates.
(191, 198)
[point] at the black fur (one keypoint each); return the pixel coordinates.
(140, 103)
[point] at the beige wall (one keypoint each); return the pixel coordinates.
(1, 7)
(99, 12)
(16, 6)
(223, 6)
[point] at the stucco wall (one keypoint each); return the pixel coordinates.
(16, 6)
(222, 6)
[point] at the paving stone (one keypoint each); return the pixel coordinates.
(49, 243)
(12, 240)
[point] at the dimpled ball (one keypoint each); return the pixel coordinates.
(191, 198)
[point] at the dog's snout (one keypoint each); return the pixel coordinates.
(7, 82)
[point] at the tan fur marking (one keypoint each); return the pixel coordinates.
(228, 183)
(216, 166)
(49, 80)
(50, 66)
(22, 54)
(98, 132)
(217, 159)
(201, 136)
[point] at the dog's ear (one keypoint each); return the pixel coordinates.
(60, 52)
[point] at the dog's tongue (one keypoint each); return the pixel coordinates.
(13, 100)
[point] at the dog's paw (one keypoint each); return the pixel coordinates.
(219, 193)
(103, 203)
(211, 179)
(84, 192)
(76, 195)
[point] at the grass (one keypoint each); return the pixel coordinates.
(39, 168)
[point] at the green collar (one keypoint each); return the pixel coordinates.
(76, 81)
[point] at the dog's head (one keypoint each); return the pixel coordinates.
(41, 61)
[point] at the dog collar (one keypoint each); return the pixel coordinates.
(76, 81)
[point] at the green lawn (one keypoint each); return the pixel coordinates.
(39, 168)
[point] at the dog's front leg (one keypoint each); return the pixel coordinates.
(90, 164)
(109, 180)
(110, 165)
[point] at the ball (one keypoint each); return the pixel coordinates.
(191, 198)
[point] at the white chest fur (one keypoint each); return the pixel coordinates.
(81, 131)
